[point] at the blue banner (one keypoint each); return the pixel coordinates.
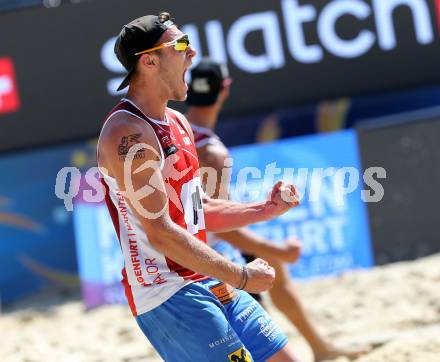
(331, 222)
(37, 243)
(100, 259)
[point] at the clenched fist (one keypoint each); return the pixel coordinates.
(260, 276)
(282, 198)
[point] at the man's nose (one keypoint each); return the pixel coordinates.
(191, 52)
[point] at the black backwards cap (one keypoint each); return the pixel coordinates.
(206, 82)
(138, 35)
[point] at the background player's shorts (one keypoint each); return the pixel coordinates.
(210, 321)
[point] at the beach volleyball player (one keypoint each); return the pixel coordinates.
(208, 91)
(188, 300)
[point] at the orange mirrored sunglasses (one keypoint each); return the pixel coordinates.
(179, 45)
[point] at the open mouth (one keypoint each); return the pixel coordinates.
(183, 78)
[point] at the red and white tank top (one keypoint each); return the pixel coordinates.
(149, 277)
(204, 136)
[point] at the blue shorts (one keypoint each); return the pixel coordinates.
(209, 321)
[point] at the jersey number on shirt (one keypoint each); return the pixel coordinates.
(192, 206)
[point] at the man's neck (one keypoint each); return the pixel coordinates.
(151, 104)
(203, 116)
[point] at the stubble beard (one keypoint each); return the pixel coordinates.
(173, 85)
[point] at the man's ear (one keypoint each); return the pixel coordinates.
(148, 60)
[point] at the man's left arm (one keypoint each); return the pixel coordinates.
(225, 215)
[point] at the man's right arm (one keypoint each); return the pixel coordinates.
(151, 208)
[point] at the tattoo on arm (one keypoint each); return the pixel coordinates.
(126, 143)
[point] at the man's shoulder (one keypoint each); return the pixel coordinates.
(123, 122)
(123, 135)
(213, 155)
(210, 143)
(124, 129)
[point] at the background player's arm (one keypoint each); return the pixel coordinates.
(166, 236)
(251, 243)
